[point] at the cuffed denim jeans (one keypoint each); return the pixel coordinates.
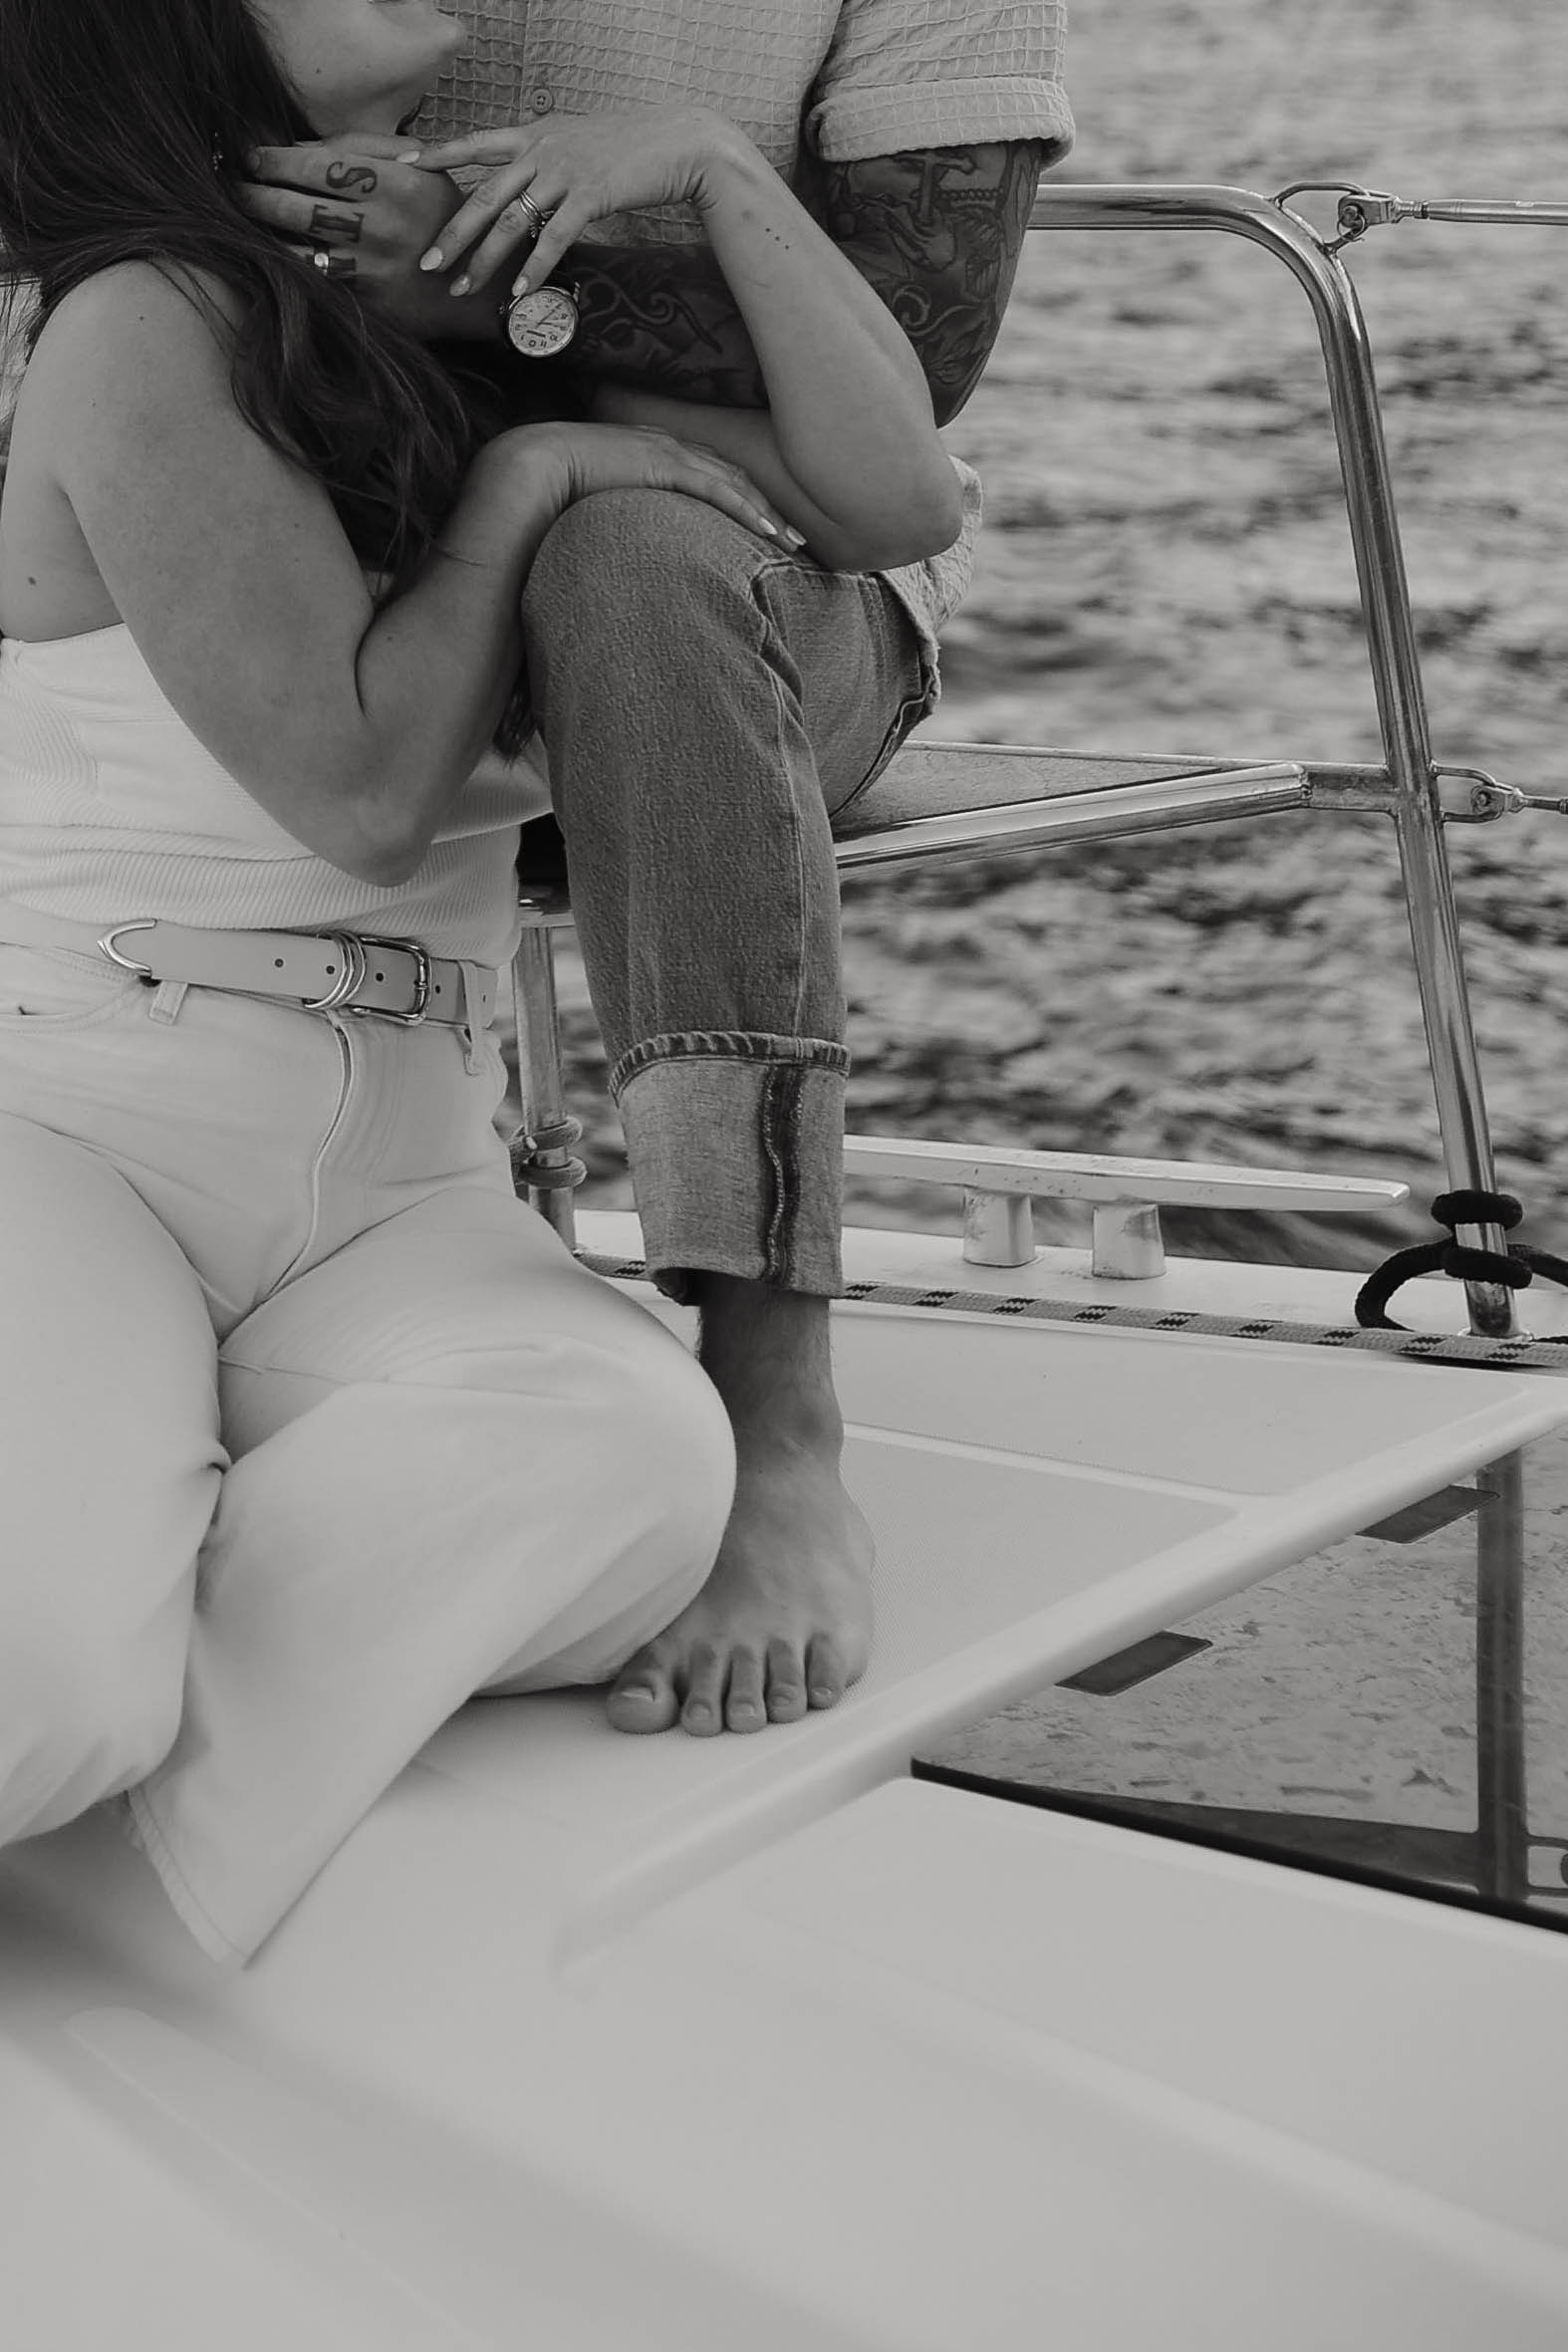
(711, 704)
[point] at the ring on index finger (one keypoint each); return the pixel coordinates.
(332, 265)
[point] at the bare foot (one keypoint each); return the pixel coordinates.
(783, 1623)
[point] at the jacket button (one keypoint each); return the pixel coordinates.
(542, 100)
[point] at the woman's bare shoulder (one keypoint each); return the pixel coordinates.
(134, 319)
(162, 294)
(131, 360)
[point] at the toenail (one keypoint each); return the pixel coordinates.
(637, 1691)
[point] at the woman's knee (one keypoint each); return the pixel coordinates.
(85, 1711)
(647, 1521)
(667, 1437)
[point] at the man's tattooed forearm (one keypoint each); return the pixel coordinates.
(937, 233)
(662, 316)
(351, 179)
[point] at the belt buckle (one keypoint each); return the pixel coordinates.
(144, 971)
(360, 941)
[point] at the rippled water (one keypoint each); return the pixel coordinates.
(1167, 567)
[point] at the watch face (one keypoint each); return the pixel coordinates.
(541, 324)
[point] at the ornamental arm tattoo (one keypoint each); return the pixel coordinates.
(937, 234)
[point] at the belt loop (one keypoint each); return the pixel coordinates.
(167, 998)
(473, 1027)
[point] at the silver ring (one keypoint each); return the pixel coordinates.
(321, 259)
(525, 203)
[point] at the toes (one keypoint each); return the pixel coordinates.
(703, 1711)
(744, 1709)
(827, 1676)
(643, 1696)
(786, 1681)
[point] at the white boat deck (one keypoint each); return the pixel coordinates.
(584, 2040)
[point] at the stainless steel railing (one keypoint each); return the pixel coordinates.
(1391, 645)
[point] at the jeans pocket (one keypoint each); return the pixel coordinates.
(58, 988)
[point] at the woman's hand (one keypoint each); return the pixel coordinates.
(594, 458)
(551, 183)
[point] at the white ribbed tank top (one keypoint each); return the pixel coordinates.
(109, 809)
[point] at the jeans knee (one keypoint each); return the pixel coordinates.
(667, 567)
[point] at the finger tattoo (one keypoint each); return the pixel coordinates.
(351, 179)
(345, 227)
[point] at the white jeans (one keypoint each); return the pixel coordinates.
(309, 1431)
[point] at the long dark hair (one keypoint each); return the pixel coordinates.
(122, 126)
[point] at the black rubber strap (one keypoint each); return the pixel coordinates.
(1478, 1209)
(1515, 1271)
(1483, 1265)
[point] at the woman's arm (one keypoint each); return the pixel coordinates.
(849, 409)
(353, 729)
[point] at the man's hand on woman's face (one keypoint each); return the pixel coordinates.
(350, 197)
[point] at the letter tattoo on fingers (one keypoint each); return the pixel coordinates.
(333, 226)
(351, 179)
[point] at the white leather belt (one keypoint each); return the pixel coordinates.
(321, 971)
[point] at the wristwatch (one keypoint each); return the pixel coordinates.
(541, 324)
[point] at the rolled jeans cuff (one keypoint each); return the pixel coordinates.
(737, 1145)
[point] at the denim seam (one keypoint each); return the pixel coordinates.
(912, 709)
(346, 1076)
(735, 1045)
(908, 716)
(780, 1132)
(775, 644)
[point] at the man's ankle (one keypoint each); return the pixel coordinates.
(768, 1352)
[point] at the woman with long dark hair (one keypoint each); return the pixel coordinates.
(310, 1430)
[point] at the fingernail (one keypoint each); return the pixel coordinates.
(412, 156)
(430, 260)
(519, 285)
(795, 538)
(764, 525)
(251, 159)
(459, 285)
